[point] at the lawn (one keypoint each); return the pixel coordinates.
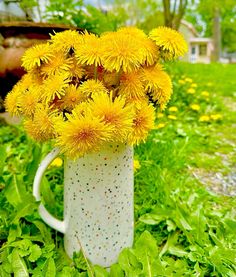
(185, 183)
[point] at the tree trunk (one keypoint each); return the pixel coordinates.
(174, 12)
(167, 13)
(216, 35)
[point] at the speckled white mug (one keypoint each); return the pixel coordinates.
(98, 203)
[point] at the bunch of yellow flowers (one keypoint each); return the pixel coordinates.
(84, 91)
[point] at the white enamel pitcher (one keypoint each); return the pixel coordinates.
(98, 203)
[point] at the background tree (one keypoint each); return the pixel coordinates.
(174, 12)
(216, 19)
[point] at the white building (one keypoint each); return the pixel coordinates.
(200, 49)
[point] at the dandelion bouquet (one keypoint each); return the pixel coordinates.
(83, 91)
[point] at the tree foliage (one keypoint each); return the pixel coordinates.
(202, 14)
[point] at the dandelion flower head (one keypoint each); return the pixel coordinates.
(83, 91)
(170, 41)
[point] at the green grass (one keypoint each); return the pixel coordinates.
(182, 228)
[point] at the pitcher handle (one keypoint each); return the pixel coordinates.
(46, 216)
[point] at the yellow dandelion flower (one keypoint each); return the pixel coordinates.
(158, 83)
(89, 52)
(137, 165)
(29, 100)
(194, 85)
(160, 115)
(114, 113)
(204, 118)
(76, 70)
(181, 82)
(147, 46)
(34, 77)
(195, 107)
(71, 98)
(191, 91)
(121, 52)
(205, 93)
(54, 86)
(216, 116)
(138, 101)
(36, 55)
(171, 42)
(65, 41)
(81, 109)
(151, 52)
(80, 135)
(12, 102)
(131, 85)
(160, 126)
(26, 82)
(143, 122)
(173, 109)
(40, 128)
(132, 31)
(91, 87)
(32, 130)
(58, 162)
(110, 78)
(172, 117)
(188, 80)
(56, 65)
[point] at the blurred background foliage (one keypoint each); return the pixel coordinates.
(107, 15)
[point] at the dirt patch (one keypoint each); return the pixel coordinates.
(216, 181)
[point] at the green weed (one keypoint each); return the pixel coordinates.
(181, 228)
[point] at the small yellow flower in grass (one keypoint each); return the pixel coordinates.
(57, 162)
(181, 82)
(216, 117)
(189, 80)
(191, 91)
(209, 84)
(160, 125)
(160, 115)
(204, 118)
(172, 117)
(143, 122)
(205, 93)
(36, 55)
(137, 165)
(195, 107)
(193, 85)
(81, 134)
(173, 109)
(169, 41)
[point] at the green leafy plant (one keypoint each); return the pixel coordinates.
(181, 227)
